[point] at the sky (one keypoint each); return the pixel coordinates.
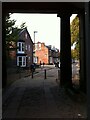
(46, 25)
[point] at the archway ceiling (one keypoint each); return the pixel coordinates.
(43, 7)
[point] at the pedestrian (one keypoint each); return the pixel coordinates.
(32, 68)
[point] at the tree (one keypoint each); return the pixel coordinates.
(9, 27)
(22, 26)
(74, 30)
(75, 37)
(11, 30)
(11, 33)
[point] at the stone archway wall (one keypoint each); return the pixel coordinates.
(38, 8)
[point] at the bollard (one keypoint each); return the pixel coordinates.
(32, 74)
(45, 74)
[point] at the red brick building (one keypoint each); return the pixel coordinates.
(46, 54)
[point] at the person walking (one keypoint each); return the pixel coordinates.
(32, 68)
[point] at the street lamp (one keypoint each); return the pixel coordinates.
(34, 36)
(34, 45)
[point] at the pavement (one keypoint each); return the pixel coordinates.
(12, 75)
(38, 97)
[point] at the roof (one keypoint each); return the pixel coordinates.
(20, 40)
(20, 32)
(51, 48)
(25, 30)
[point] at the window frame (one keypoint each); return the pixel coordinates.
(21, 47)
(23, 61)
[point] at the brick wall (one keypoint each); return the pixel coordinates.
(42, 54)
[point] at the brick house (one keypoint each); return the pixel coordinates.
(46, 54)
(21, 52)
(24, 49)
(53, 54)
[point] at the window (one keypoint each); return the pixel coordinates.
(45, 55)
(26, 47)
(21, 61)
(29, 47)
(21, 47)
(36, 46)
(35, 60)
(39, 46)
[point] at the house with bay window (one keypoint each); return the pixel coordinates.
(20, 54)
(24, 49)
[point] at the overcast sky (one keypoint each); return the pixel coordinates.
(46, 25)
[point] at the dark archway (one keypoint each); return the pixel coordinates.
(64, 10)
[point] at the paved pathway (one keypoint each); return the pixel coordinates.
(40, 98)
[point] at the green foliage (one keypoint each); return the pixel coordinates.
(75, 37)
(11, 31)
(74, 30)
(11, 36)
(9, 26)
(75, 54)
(22, 26)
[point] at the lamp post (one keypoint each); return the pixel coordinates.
(34, 45)
(34, 36)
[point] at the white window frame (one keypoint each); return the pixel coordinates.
(23, 61)
(39, 46)
(35, 59)
(36, 46)
(20, 46)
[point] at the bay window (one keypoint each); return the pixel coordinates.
(21, 47)
(21, 61)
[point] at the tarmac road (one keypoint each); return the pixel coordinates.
(40, 98)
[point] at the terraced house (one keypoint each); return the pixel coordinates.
(46, 54)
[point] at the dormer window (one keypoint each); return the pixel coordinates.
(21, 47)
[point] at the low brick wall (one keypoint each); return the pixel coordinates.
(16, 75)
